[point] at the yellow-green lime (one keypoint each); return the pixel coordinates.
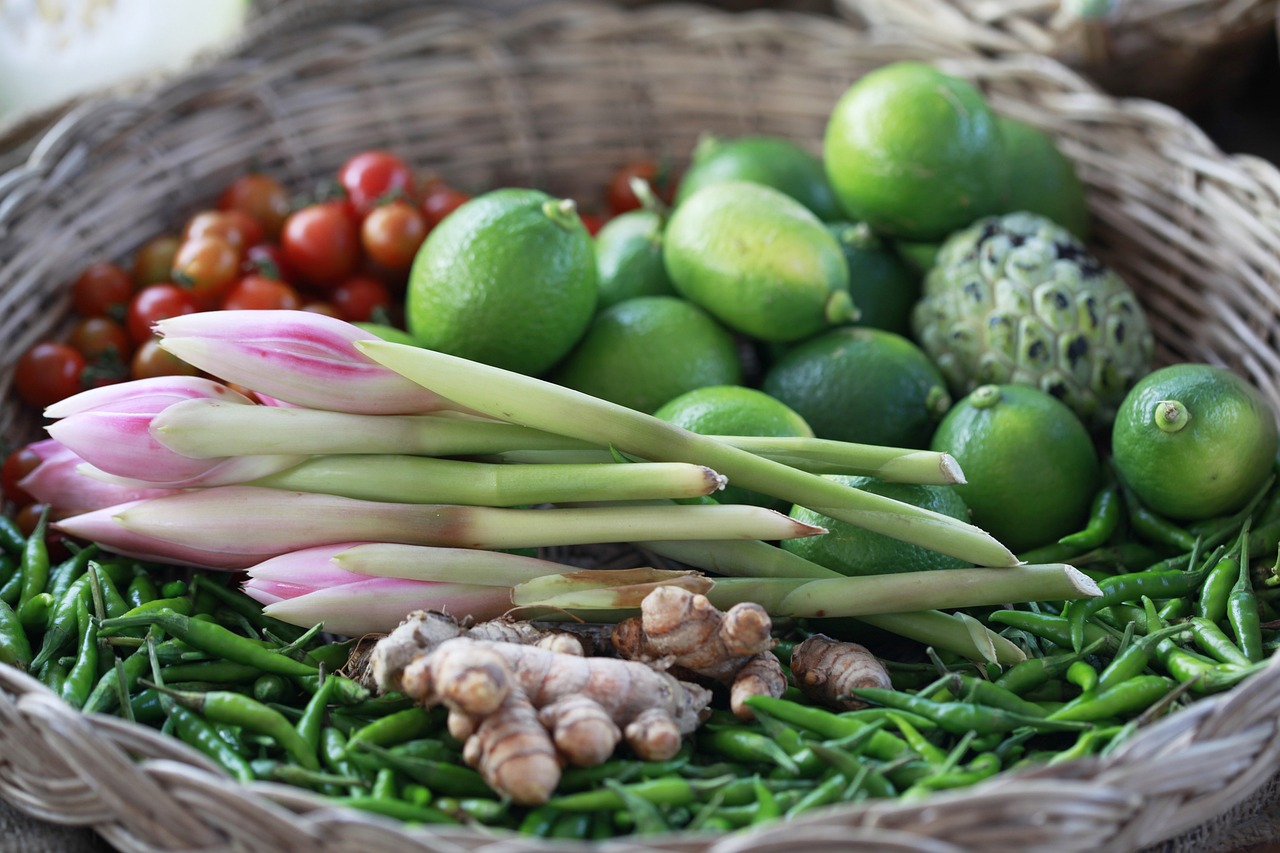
(769, 160)
(1041, 179)
(758, 260)
(882, 286)
(851, 550)
(1194, 440)
(629, 258)
(1029, 462)
(862, 385)
(508, 279)
(914, 152)
(735, 410)
(644, 351)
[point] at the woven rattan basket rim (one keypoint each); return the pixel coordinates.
(1211, 299)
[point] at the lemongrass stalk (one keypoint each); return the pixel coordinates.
(536, 403)
(378, 605)
(425, 479)
(947, 632)
(742, 559)
(603, 589)
(247, 522)
(426, 563)
(210, 428)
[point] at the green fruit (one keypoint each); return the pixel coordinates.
(758, 260)
(884, 290)
(1194, 441)
(1042, 180)
(629, 258)
(735, 410)
(915, 153)
(1018, 299)
(642, 352)
(862, 385)
(768, 160)
(508, 279)
(853, 551)
(1030, 466)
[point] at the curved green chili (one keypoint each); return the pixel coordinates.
(140, 590)
(960, 717)
(313, 715)
(195, 731)
(445, 777)
(1126, 699)
(11, 539)
(747, 746)
(236, 709)
(1214, 642)
(35, 562)
(1134, 658)
(15, 648)
(1105, 513)
(84, 672)
(993, 695)
(212, 638)
(1242, 609)
(1124, 588)
(397, 727)
(1023, 677)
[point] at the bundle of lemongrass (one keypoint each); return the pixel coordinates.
(369, 479)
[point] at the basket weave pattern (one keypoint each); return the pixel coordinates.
(1181, 52)
(557, 95)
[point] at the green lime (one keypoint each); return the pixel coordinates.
(1041, 179)
(851, 550)
(769, 160)
(508, 279)
(629, 258)
(862, 385)
(735, 410)
(1030, 466)
(758, 260)
(1194, 440)
(388, 333)
(642, 352)
(918, 257)
(883, 288)
(915, 153)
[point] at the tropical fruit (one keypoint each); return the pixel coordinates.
(883, 288)
(769, 160)
(629, 258)
(1041, 179)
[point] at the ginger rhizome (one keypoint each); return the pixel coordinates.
(828, 671)
(683, 631)
(523, 710)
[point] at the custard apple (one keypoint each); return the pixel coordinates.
(1019, 299)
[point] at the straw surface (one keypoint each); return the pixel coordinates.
(557, 95)
(1183, 52)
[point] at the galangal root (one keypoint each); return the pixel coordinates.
(828, 671)
(524, 710)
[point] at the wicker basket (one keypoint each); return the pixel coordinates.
(1181, 52)
(556, 95)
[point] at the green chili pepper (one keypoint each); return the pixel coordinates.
(313, 715)
(269, 687)
(1205, 676)
(178, 605)
(438, 775)
(173, 589)
(478, 809)
(106, 694)
(1124, 588)
(1083, 675)
(924, 747)
(539, 821)
(388, 806)
(1021, 678)
(212, 638)
(235, 709)
(65, 573)
(112, 603)
(195, 731)
(15, 648)
(993, 695)
(1211, 602)
(1242, 609)
(301, 777)
(246, 607)
(871, 715)
(983, 767)
(35, 613)
(84, 672)
(35, 562)
(63, 625)
(212, 671)
(669, 791)
(825, 793)
(8, 569)
(1119, 701)
(1133, 659)
(575, 825)
(747, 746)
(1055, 629)
(333, 746)
(1214, 642)
(646, 817)
(11, 539)
(882, 745)
(1104, 518)
(959, 717)
(141, 589)
(398, 727)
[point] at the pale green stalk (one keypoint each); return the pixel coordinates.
(447, 565)
(425, 479)
(947, 632)
(740, 559)
(533, 402)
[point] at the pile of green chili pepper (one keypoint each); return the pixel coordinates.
(1184, 611)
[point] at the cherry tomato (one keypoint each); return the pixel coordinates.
(102, 290)
(17, 465)
(392, 233)
(207, 267)
(151, 361)
(267, 260)
(325, 308)
(260, 292)
(618, 195)
(153, 262)
(99, 337)
(28, 516)
(361, 298)
(321, 242)
(154, 303)
(262, 197)
(593, 222)
(439, 200)
(373, 176)
(48, 372)
(235, 226)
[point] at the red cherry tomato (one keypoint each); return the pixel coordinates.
(153, 262)
(101, 340)
(325, 308)
(259, 292)
(321, 242)
(207, 267)
(18, 465)
(262, 197)
(373, 176)
(439, 200)
(593, 222)
(618, 195)
(154, 303)
(392, 233)
(28, 516)
(48, 372)
(235, 226)
(151, 361)
(268, 261)
(362, 298)
(102, 290)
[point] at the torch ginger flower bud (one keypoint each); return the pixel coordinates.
(59, 482)
(298, 357)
